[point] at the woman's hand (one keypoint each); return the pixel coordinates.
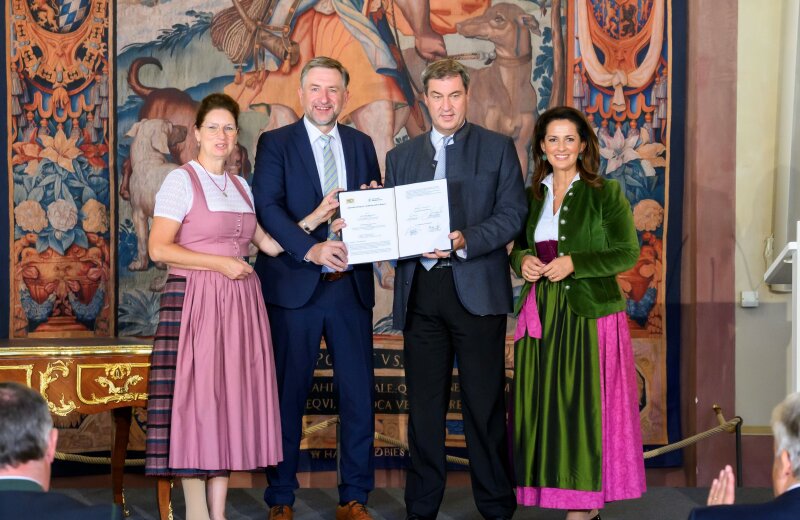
(265, 243)
(234, 267)
(531, 269)
(558, 269)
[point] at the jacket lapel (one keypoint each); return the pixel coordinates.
(348, 147)
(426, 160)
(454, 152)
(537, 205)
(303, 145)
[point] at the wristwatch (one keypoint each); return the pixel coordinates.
(305, 226)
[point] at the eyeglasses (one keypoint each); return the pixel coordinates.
(214, 129)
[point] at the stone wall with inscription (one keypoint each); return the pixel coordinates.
(391, 408)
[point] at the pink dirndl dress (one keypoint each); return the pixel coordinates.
(225, 413)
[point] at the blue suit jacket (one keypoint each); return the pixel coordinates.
(286, 188)
(783, 507)
(487, 204)
(20, 498)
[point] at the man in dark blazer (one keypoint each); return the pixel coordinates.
(457, 307)
(310, 291)
(785, 475)
(27, 448)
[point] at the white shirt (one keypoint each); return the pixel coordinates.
(547, 227)
(436, 141)
(317, 143)
(174, 198)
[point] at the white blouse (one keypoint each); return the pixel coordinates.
(174, 198)
(547, 226)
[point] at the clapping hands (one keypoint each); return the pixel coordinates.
(723, 488)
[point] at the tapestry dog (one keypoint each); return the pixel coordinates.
(150, 165)
(169, 104)
(501, 95)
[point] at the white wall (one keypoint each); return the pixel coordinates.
(767, 51)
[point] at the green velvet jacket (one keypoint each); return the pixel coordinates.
(596, 230)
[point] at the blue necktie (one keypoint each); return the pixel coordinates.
(440, 173)
(331, 176)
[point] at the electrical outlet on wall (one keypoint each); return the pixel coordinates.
(749, 299)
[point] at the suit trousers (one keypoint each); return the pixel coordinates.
(336, 313)
(438, 330)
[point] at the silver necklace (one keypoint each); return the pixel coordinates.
(224, 186)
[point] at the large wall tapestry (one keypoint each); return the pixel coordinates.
(613, 59)
(620, 63)
(59, 136)
(171, 54)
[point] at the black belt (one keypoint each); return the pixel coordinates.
(332, 277)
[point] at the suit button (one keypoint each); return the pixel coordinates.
(566, 208)
(560, 254)
(563, 238)
(570, 194)
(566, 287)
(563, 221)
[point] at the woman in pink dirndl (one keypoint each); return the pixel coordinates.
(213, 405)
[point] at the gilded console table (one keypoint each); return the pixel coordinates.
(84, 376)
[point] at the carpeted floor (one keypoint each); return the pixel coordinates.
(660, 503)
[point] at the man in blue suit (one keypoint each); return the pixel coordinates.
(785, 475)
(454, 304)
(27, 448)
(310, 291)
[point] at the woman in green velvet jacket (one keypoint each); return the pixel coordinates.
(577, 441)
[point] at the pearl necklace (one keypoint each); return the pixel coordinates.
(224, 186)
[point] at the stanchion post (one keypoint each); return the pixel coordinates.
(739, 473)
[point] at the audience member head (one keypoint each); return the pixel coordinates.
(786, 431)
(27, 437)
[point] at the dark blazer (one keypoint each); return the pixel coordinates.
(784, 507)
(487, 204)
(596, 229)
(20, 498)
(286, 188)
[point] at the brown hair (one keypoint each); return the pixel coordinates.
(587, 165)
(445, 68)
(325, 63)
(213, 102)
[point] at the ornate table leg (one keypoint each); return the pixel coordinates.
(122, 421)
(164, 498)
